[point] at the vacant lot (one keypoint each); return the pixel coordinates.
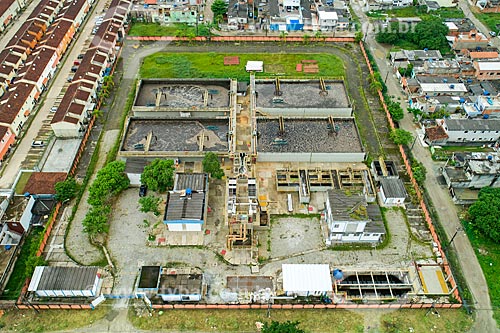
(425, 321)
(244, 320)
(490, 20)
(211, 65)
(48, 320)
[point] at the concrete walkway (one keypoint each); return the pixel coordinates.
(444, 206)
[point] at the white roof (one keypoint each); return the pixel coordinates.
(488, 65)
(451, 25)
(308, 277)
(330, 15)
(255, 66)
(432, 87)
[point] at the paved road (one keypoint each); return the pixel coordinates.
(56, 85)
(441, 199)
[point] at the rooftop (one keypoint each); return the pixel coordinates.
(306, 277)
(149, 277)
(472, 124)
(435, 133)
(181, 206)
(308, 135)
(393, 187)
(63, 278)
(175, 284)
(194, 181)
(44, 182)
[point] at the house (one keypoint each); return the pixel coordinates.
(302, 280)
(470, 131)
(470, 41)
(487, 70)
(438, 67)
(392, 191)
(413, 55)
(472, 171)
(443, 88)
(186, 206)
(11, 233)
(487, 6)
(48, 281)
(7, 138)
(17, 104)
(351, 219)
(289, 15)
(8, 10)
(435, 135)
(327, 18)
(482, 55)
(43, 183)
(237, 14)
(181, 285)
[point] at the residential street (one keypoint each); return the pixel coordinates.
(445, 208)
(57, 83)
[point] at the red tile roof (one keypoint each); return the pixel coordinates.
(5, 5)
(44, 182)
(435, 133)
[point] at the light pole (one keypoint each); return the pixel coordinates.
(454, 235)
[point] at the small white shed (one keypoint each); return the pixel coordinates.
(307, 279)
(255, 66)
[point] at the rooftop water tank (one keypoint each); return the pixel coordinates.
(337, 274)
(490, 158)
(189, 191)
(486, 116)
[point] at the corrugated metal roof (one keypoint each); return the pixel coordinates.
(184, 207)
(307, 277)
(393, 188)
(63, 278)
(194, 181)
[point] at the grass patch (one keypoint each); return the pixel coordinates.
(466, 149)
(157, 30)
(23, 180)
(488, 255)
(211, 65)
(421, 11)
(48, 320)
(18, 276)
(244, 320)
(490, 20)
(419, 320)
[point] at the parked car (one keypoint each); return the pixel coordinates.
(53, 109)
(37, 143)
(76, 63)
(74, 69)
(201, 17)
(493, 34)
(81, 55)
(143, 190)
(69, 79)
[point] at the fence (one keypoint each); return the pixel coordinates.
(415, 185)
(243, 39)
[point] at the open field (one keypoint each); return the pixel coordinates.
(244, 320)
(211, 65)
(48, 320)
(488, 254)
(490, 20)
(157, 30)
(425, 321)
(417, 11)
(310, 320)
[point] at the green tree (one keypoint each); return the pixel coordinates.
(415, 112)
(96, 220)
(430, 34)
(110, 181)
(390, 34)
(66, 190)
(358, 36)
(484, 214)
(306, 38)
(159, 175)
(150, 204)
(401, 136)
(285, 327)
(419, 171)
(395, 110)
(219, 8)
(375, 84)
(211, 165)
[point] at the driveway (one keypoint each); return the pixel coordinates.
(445, 208)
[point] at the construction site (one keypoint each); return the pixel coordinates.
(288, 158)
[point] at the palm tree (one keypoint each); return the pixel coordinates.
(306, 38)
(375, 84)
(283, 36)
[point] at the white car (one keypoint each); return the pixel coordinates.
(37, 143)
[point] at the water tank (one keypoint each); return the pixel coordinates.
(490, 158)
(8, 247)
(445, 80)
(189, 191)
(337, 274)
(486, 116)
